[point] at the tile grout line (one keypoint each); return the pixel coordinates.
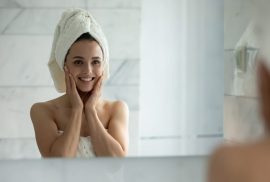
(8, 25)
(118, 69)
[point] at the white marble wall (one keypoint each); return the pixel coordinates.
(242, 119)
(26, 33)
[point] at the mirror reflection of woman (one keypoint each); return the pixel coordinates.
(80, 123)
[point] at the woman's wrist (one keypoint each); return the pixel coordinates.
(77, 109)
(90, 109)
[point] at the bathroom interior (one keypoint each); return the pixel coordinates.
(176, 63)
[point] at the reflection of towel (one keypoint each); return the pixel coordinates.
(85, 148)
(73, 23)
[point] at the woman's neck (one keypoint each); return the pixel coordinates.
(85, 95)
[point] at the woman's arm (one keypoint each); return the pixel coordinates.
(49, 141)
(223, 165)
(113, 142)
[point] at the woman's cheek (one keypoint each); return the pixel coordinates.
(99, 71)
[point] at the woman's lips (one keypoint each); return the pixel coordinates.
(86, 79)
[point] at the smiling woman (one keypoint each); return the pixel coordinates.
(80, 123)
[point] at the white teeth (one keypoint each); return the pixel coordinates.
(86, 79)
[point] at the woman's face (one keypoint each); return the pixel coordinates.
(85, 62)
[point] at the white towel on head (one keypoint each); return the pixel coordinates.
(73, 23)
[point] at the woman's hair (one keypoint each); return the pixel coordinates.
(85, 36)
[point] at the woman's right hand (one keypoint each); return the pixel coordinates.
(71, 90)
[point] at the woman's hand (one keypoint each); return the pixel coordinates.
(71, 90)
(95, 94)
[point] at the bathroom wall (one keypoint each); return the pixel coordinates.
(181, 85)
(242, 119)
(26, 33)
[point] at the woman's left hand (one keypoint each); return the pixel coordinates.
(95, 94)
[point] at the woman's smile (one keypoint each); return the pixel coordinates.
(86, 79)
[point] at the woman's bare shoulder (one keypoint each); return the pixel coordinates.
(116, 105)
(40, 109)
(46, 108)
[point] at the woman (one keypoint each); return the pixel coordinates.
(248, 162)
(80, 123)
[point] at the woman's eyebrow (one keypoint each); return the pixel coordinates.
(79, 57)
(96, 57)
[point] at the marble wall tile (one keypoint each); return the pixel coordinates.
(113, 4)
(124, 72)
(237, 15)
(70, 3)
(242, 120)
(122, 29)
(18, 148)
(24, 60)
(42, 3)
(7, 16)
(34, 22)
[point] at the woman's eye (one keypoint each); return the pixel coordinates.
(96, 62)
(78, 62)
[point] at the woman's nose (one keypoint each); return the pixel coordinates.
(87, 68)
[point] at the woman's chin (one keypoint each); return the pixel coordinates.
(84, 89)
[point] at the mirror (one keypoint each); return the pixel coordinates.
(166, 63)
(242, 117)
